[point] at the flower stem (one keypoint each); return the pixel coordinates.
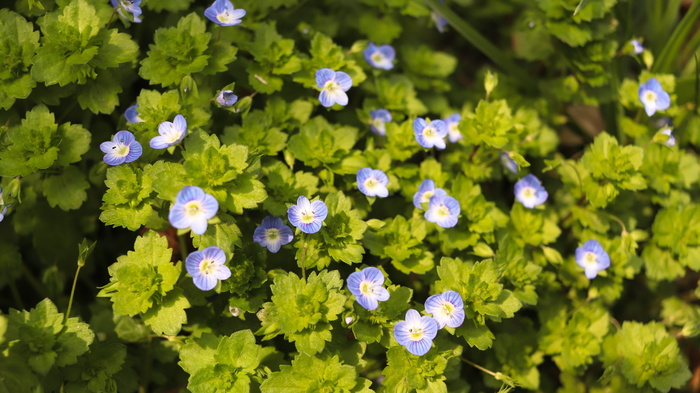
(72, 293)
(183, 246)
(303, 257)
(15, 294)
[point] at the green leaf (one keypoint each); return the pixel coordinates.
(168, 316)
(66, 190)
(281, 182)
(490, 124)
(95, 371)
(126, 202)
(320, 142)
(18, 41)
(33, 145)
(309, 374)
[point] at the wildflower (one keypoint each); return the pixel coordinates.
(171, 133)
(381, 57)
(379, 119)
(637, 47)
(192, 208)
(653, 97)
(425, 191)
(307, 216)
(222, 13)
(592, 258)
(447, 309)
(443, 210)
(452, 122)
(367, 287)
(372, 182)
(273, 234)
(226, 98)
(123, 148)
(4, 212)
(671, 141)
(333, 86)
(416, 333)
(132, 115)
(430, 134)
(207, 267)
(529, 191)
(130, 6)
(509, 163)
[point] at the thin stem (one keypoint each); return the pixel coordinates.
(15, 294)
(303, 257)
(487, 371)
(183, 246)
(622, 224)
(72, 293)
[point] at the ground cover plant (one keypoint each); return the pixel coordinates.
(349, 196)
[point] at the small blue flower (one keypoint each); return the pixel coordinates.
(226, 98)
(381, 57)
(430, 134)
(130, 6)
(509, 163)
(379, 119)
(416, 333)
(671, 141)
(123, 148)
(192, 208)
(307, 216)
(367, 287)
(653, 97)
(171, 133)
(529, 191)
(443, 209)
(222, 13)
(132, 115)
(207, 267)
(4, 212)
(372, 182)
(637, 47)
(440, 22)
(273, 234)
(447, 309)
(425, 191)
(452, 122)
(333, 86)
(592, 258)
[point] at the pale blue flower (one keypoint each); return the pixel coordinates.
(592, 258)
(443, 209)
(671, 141)
(447, 309)
(637, 47)
(4, 212)
(379, 118)
(653, 97)
(123, 148)
(372, 182)
(226, 98)
(132, 115)
(452, 122)
(192, 209)
(509, 163)
(425, 191)
(416, 333)
(307, 216)
(171, 133)
(430, 134)
(381, 57)
(222, 13)
(529, 191)
(273, 234)
(207, 267)
(130, 6)
(367, 287)
(333, 85)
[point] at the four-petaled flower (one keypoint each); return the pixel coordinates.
(307, 216)
(416, 333)
(381, 57)
(171, 133)
(130, 6)
(637, 47)
(372, 182)
(653, 97)
(379, 118)
(192, 208)
(226, 98)
(447, 309)
(425, 191)
(452, 122)
(443, 209)
(509, 163)
(333, 85)
(430, 134)
(367, 287)
(529, 191)
(122, 148)
(207, 267)
(222, 13)
(131, 115)
(273, 234)
(592, 258)
(671, 141)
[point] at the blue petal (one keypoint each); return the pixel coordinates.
(198, 225)
(113, 159)
(320, 210)
(189, 193)
(373, 274)
(215, 254)
(354, 280)
(135, 151)
(324, 75)
(209, 206)
(294, 215)
(311, 227)
(401, 333)
(192, 262)
(369, 303)
(159, 142)
(326, 99)
(344, 80)
(204, 282)
(388, 52)
(418, 125)
(222, 272)
(419, 348)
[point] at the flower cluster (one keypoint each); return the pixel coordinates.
(442, 209)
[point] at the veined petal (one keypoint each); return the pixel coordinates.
(344, 80)
(324, 75)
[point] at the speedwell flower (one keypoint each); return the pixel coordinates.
(379, 119)
(509, 163)
(333, 86)
(447, 309)
(592, 258)
(372, 182)
(131, 115)
(122, 148)
(671, 141)
(381, 57)
(416, 333)
(130, 6)
(171, 133)
(226, 98)
(207, 267)
(529, 191)
(430, 134)
(192, 208)
(367, 287)
(273, 234)
(222, 13)
(425, 191)
(443, 209)
(653, 97)
(637, 47)
(452, 122)
(307, 216)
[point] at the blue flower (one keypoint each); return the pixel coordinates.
(529, 191)
(130, 6)
(430, 134)
(379, 119)
(443, 210)
(653, 97)
(171, 133)
(447, 309)
(592, 258)
(440, 22)
(4, 212)
(381, 57)
(207, 267)
(367, 287)
(307, 216)
(132, 115)
(637, 47)
(273, 234)
(333, 86)
(372, 182)
(222, 13)
(671, 141)
(226, 98)
(416, 333)
(123, 148)
(452, 122)
(192, 208)
(509, 163)
(425, 191)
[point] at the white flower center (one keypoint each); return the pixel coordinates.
(121, 149)
(426, 196)
(224, 16)
(307, 216)
(443, 211)
(590, 259)
(649, 96)
(367, 288)
(415, 333)
(272, 234)
(206, 267)
(377, 57)
(193, 208)
(331, 86)
(428, 132)
(447, 308)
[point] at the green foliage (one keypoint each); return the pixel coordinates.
(18, 43)
(313, 374)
